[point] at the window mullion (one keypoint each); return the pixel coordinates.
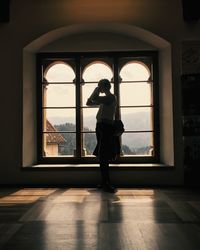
(117, 92)
(154, 70)
(40, 139)
(116, 85)
(78, 110)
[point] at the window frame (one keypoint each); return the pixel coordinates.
(77, 56)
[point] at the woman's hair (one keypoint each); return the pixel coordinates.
(105, 83)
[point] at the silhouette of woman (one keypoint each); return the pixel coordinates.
(105, 149)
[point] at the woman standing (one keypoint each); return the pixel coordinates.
(106, 146)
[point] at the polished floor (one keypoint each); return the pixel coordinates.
(70, 218)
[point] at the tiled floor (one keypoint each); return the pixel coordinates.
(58, 219)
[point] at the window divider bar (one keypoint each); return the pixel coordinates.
(59, 132)
(40, 140)
(58, 107)
(138, 131)
(57, 83)
(116, 85)
(78, 109)
(137, 81)
(138, 106)
(88, 132)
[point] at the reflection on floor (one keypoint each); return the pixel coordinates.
(61, 218)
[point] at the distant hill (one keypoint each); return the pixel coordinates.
(132, 121)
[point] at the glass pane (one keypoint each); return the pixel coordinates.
(89, 144)
(59, 144)
(135, 94)
(59, 95)
(137, 118)
(60, 119)
(97, 71)
(60, 72)
(89, 119)
(87, 90)
(135, 71)
(137, 144)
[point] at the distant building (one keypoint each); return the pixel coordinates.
(52, 140)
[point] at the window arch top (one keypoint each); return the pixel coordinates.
(135, 71)
(59, 72)
(96, 71)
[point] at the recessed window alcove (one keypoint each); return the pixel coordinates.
(97, 38)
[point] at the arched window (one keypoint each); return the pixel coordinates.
(136, 108)
(95, 71)
(92, 73)
(59, 110)
(66, 125)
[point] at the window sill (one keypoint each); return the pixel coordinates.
(139, 166)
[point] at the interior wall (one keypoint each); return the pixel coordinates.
(96, 41)
(29, 109)
(167, 149)
(30, 20)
